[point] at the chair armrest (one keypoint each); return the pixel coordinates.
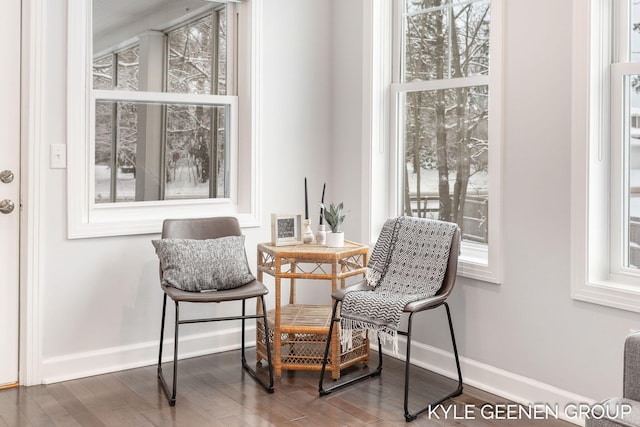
(632, 367)
(339, 294)
(423, 304)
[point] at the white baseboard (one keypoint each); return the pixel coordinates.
(86, 364)
(513, 387)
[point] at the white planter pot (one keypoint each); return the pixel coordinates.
(321, 235)
(335, 240)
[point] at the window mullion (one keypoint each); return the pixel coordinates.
(448, 5)
(426, 85)
(114, 130)
(213, 134)
(398, 44)
(619, 105)
(161, 97)
(620, 20)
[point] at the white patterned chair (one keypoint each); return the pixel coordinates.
(630, 395)
(412, 308)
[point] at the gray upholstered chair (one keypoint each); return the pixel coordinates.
(203, 229)
(630, 394)
(439, 299)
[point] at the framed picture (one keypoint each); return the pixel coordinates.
(286, 229)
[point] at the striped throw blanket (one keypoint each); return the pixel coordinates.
(408, 263)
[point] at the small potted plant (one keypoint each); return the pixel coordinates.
(334, 216)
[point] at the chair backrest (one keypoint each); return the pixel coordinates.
(452, 266)
(200, 228)
(413, 252)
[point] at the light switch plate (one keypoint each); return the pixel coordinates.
(58, 156)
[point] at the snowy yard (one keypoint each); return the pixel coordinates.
(185, 185)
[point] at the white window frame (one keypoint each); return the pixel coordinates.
(597, 271)
(381, 143)
(87, 219)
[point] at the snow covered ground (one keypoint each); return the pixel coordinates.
(184, 186)
(478, 181)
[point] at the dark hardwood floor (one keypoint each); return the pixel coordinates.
(214, 391)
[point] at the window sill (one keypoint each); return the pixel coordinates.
(475, 263)
(609, 293)
(473, 270)
(147, 218)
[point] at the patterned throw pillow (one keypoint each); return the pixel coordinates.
(203, 265)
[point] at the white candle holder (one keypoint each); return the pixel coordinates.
(307, 234)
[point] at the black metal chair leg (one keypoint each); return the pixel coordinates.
(171, 395)
(243, 358)
(267, 343)
(455, 350)
(458, 391)
(252, 371)
(407, 364)
(324, 391)
(164, 312)
(172, 400)
(163, 382)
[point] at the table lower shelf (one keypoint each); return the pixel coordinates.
(303, 337)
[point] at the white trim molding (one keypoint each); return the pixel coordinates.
(376, 81)
(32, 143)
(85, 364)
(592, 276)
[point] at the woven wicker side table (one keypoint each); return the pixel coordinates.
(299, 331)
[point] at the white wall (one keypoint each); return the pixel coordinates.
(101, 300)
(297, 116)
(346, 159)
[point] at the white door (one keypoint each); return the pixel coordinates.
(9, 189)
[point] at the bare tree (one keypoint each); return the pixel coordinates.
(445, 129)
